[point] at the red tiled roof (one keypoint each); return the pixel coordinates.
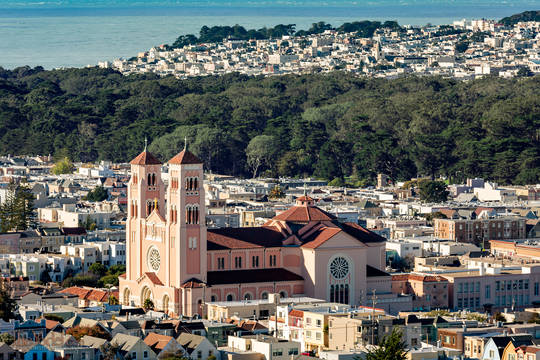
(296, 313)
(320, 236)
(153, 278)
(361, 233)
(304, 198)
(243, 238)
(192, 284)
(145, 158)
(157, 341)
(304, 214)
(184, 157)
(480, 209)
(418, 277)
(87, 294)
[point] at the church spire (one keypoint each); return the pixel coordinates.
(185, 143)
(145, 143)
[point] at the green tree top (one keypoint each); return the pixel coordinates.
(7, 306)
(63, 166)
(392, 347)
(99, 193)
(433, 191)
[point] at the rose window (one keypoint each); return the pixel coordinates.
(154, 259)
(339, 268)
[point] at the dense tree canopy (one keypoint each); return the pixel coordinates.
(329, 125)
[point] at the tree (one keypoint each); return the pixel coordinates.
(499, 317)
(7, 338)
(260, 152)
(433, 191)
(17, 213)
(80, 331)
(110, 351)
(97, 194)
(148, 304)
(392, 347)
(7, 306)
(276, 193)
(63, 166)
(113, 300)
(98, 269)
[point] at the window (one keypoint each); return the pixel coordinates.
(221, 263)
(460, 288)
(229, 297)
(255, 261)
(497, 285)
(192, 243)
(536, 289)
(293, 351)
(526, 284)
(237, 262)
(318, 323)
(199, 354)
(145, 354)
(134, 355)
(488, 291)
(277, 352)
(308, 334)
(478, 287)
(272, 260)
(317, 336)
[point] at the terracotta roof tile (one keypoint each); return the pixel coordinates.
(360, 233)
(192, 284)
(304, 214)
(157, 341)
(320, 236)
(145, 158)
(243, 238)
(296, 313)
(153, 278)
(185, 157)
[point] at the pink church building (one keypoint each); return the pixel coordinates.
(174, 260)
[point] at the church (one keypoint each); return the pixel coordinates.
(179, 264)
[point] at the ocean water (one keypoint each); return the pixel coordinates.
(74, 33)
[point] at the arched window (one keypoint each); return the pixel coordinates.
(332, 297)
(213, 298)
(346, 300)
(283, 294)
(149, 180)
(264, 295)
(153, 179)
(247, 296)
(187, 183)
(230, 297)
(195, 183)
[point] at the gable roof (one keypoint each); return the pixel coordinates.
(184, 157)
(153, 278)
(190, 341)
(304, 214)
(319, 237)
(243, 238)
(251, 276)
(125, 342)
(145, 158)
(361, 233)
(92, 341)
(157, 342)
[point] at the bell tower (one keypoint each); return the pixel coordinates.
(186, 219)
(145, 194)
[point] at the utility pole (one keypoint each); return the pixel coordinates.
(373, 302)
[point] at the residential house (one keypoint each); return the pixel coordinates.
(197, 347)
(164, 346)
(8, 353)
(132, 347)
(39, 352)
(30, 330)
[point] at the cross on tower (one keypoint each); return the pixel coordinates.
(185, 143)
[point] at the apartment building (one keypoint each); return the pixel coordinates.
(494, 288)
(429, 291)
(480, 230)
